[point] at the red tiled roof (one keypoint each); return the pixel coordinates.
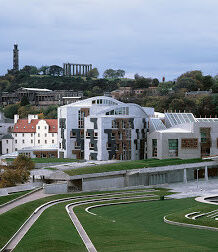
(22, 125)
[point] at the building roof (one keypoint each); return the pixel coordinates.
(22, 125)
(8, 136)
(37, 89)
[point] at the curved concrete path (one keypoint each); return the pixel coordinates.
(12, 243)
(31, 197)
(86, 240)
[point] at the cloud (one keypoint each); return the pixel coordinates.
(154, 38)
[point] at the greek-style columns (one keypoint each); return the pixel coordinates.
(70, 69)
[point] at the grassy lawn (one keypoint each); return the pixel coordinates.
(13, 219)
(49, 160)
(200, 207)
(130, 165)
(140, 227)
(55, 229)
(4, 199)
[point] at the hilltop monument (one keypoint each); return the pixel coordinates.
(16, 58)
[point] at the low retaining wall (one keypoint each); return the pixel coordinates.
(189, 225)
(19, 188)
(59, 188)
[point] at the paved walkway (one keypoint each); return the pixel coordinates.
(194, 188)
(34, 196)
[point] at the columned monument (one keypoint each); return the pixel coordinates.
(16, 58)
(71, 69)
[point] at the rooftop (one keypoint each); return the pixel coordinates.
(22, 125)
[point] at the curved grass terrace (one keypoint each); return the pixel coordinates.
(129, 165)
(13, 219)
(202, 221)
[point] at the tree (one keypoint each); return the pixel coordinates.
(111, 73)
(28, 70)
(44, 70)
(55, 70)
(208, 82)
(155, 82)
(120, 73)
(93, 73)
(24, 101)
(188, 83)
(23, 162)
(11, 110)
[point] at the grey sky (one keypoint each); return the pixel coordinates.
(154, 38)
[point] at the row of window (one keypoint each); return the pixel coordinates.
(103, 101)
(23, 141)
(119, 111)
(23, 134)
(172, 147)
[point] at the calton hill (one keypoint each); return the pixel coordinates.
(191, 92)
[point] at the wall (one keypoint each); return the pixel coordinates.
(56, 188)
(103, 182)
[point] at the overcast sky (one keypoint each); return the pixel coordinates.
(154, 38)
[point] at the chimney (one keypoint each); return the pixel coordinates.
(16, 118)
(31, 117)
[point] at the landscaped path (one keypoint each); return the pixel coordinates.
(33, 196)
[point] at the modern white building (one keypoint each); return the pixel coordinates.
(102, 128)
(181, 135)
(30, 132)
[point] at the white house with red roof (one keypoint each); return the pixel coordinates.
(30, 132)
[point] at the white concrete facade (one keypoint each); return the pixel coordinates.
(191, 133)
(102, 128)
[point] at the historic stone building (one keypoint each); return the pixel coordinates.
(41, 97)
(30, 132)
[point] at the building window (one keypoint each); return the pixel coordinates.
(15, 141)
(15, 149)
(39, 141)
(31, 134)
(45, 127)
(23, 141)
(203, 137)
(45, 134)
(60, 145)
(15, 135)
(88, 135)
(112, 135)
(81, 115)
(108, 146)
(154, 147)
(91, 146)
(31, 141)
(173, 147)
(95, 134)
(52, 141)
(7, 150)
(6, 141)
(52, 134)
(23, 134)
(45, 141)
(38, 127)
(38, 134)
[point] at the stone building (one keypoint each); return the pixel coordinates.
(40, 97)
(30, 132)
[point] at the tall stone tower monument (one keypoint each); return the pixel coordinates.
(15, 58)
